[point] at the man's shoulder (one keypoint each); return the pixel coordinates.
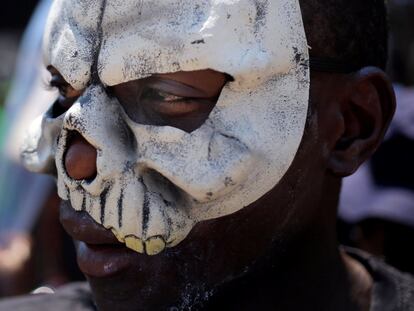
(393, 289)
(73, 297)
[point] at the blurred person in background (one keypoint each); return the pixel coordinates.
(28, 202)
(377, 205)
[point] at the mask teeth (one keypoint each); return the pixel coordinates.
(154, 217)
(112, 202)
(154, 225)
(135, 244)
(63, 190)
(124, 208)
(78, 199)
(118, 235)
(93, 208)
(132, 242)
(154, 245)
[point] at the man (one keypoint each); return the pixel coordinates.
(199, 168)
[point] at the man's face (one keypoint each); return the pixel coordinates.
(196, 109)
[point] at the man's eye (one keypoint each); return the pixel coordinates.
(64, 88)
(168, 104)
(169, 97)
(67, 95)
(161, 101)
(154, 94)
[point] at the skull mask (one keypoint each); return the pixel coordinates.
(154, 183)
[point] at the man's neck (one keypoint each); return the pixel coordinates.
(313, 279)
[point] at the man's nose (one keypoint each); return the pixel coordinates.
(80, 159)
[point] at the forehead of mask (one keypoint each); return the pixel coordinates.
(252, 40)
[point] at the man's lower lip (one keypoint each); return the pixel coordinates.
(103, 260)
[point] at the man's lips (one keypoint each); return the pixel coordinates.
(80, 226)
(99, 252)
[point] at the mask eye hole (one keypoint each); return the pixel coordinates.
(67, 94)
(183, 100)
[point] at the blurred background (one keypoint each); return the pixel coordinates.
(377, 205)
(376, 211)
(13, 19)
(34, 250)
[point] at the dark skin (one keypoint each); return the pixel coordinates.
(279, 253)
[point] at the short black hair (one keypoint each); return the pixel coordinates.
(350, 31)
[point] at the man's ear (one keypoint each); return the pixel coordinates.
(365, 111)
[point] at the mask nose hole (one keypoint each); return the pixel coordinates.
(80, 158)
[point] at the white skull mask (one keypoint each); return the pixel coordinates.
(154, 183)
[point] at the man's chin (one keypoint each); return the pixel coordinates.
(157, 289)
(123, 292)
(121, 278)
